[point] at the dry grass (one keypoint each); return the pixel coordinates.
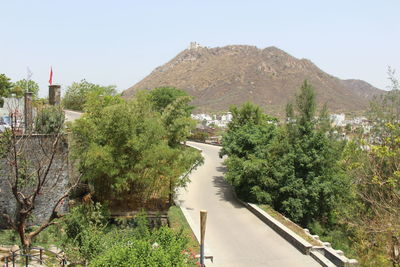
(289, 224)
(177, 222)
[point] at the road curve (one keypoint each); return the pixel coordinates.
(234, 236)
(71, 115)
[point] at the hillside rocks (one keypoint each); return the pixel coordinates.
(223, 76)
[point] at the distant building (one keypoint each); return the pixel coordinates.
(194, 45)
(338, 119)
(217, 120)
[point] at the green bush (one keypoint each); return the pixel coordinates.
(49, 120)
(88, 239)
(161, 248)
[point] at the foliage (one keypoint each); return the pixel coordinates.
(249, 133)
(178, 223)
(177, 122)
(5, 88)
(312, 180)
(77, 94)
(161, 247)
(22, 86)
(124, 149)
(199, 135)
(373, 163)
(49, 120)
(84, 229)
(89, 240)
(294, 168)
(163, 96)
(5, 85)
(173, 105)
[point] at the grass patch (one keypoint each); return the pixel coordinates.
(45, 239)
(9, 238)
(289, 224)
(177, 222)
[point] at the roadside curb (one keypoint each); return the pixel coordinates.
(324, 255)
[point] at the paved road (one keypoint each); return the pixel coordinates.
(71, 115)
(234, 236)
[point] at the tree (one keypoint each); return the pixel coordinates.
(34, 171)
(173, 105)
(49, 120)
(310, 177)
(373, 163)
(22, 86)
(163, 96)
(294, 168)
(5, 87)
(248, 136)
(124, 150)
(177, 121)
(77, 94)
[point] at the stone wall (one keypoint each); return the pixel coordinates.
(38, 150)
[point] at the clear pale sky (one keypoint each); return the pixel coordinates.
(120, 42)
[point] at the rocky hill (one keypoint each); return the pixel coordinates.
(222, 76)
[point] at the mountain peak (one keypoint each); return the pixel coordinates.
(222, 76)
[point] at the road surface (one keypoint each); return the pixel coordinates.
(71, 115)
(234, 236)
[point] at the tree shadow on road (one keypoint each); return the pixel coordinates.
(225, 191)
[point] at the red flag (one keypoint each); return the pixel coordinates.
(51, 76)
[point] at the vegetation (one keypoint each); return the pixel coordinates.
(289, 224)
(348, 193)
(132, 149)
(294, 168)
(5, 85)
(178, 223)
(5, 88)
(372, 161)
(163, 96)
(78, 93)
(249, 133)
(49, 120)
(22, 86)
(89, 239)
(34, 167)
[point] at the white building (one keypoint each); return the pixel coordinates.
(220, 120)
(338, 119)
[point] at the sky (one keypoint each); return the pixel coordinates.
(121, 42)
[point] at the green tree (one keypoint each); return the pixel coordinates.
(312, 182)
(22, 86)
(177, 121)
(294, 168)
(77, 94)
(249, 134)
(49, 120)
(124, 152)
(163, 96)
(373, 163)
(5, 88)
(173, 105)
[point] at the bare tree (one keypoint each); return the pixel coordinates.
(35, 179)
